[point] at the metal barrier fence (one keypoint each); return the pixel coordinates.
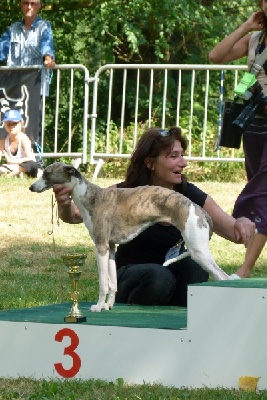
(66, 95)
(134, 97)
(154, 95)
(72, 95)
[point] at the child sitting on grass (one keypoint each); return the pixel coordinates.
(16, 147)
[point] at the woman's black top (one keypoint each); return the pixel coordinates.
(151, 245)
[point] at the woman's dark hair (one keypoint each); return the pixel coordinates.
(152, 143)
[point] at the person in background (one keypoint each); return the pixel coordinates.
(16, 148)
(30, 41)
(249, 39)
(142, 279)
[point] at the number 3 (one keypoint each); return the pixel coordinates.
(76, 365)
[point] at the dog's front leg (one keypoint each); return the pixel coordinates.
(102, 263)
(112, 274)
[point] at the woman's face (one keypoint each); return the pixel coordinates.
(166, 170)
(13, 127)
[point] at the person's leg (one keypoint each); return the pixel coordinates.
(146, 284)
(14, 170)
(3, 170)
(252, 144)
(254, 249)
(252, 200)
(187, 272)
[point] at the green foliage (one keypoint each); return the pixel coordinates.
(99, 32)
(216, 172)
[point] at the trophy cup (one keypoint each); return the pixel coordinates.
(74, 261)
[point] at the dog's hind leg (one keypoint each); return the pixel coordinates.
(102, 263)
(206, 261)
(196, 236)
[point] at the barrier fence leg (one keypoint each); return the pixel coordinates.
(98, 167)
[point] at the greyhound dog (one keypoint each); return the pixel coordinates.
(113, 216)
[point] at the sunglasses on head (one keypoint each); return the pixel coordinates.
(165, 132)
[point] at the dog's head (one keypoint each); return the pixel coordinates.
(56, 173)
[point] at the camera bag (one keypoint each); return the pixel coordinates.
(230, 135)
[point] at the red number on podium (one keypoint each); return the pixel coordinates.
(76, 365)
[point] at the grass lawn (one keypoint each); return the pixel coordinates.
(32, 274)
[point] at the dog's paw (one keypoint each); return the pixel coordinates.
(109, 306)
(99, 307)
(95, 308)
(110, 301)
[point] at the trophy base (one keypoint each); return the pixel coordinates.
(74, 319)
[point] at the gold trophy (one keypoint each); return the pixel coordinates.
(74, 261)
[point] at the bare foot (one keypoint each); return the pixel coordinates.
(243, 273)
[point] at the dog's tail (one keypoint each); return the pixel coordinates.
(180, 257)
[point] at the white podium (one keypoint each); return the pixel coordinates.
(225, 337)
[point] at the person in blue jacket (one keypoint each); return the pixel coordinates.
(29, 41)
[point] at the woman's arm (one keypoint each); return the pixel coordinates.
(235, 45)
(236, 230)
(27, 148)
(67, 210)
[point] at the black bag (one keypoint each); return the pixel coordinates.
(31, 168)
(231, 134)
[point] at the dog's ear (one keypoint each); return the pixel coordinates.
(72, 171)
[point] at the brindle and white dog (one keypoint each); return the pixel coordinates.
(113, 216)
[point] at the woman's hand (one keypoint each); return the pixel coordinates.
(62, 195)
(67, 210)
(244, 229)
(257, 21)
